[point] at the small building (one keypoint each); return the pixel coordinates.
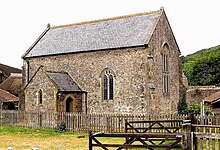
(126, 64)
(195, 94)
(213, 101)
(5, 72)
(8, 101)
(13, 84)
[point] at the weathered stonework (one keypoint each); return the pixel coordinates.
(40, 81)
(138, 86)
(195, 95)
(163, 34)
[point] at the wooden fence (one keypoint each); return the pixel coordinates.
(80, 122)
(205, 137)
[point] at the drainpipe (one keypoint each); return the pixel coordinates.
(1, 105)
(86, 103)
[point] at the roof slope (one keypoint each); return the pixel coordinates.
(119, 32)
(5, 96)
(64, 82)
(12, 84)
(8, 70)
(212, 98)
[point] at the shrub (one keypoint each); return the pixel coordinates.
(196, 109)
(61, 127)
(182, 105)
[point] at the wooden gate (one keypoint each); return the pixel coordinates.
(153, 126)
(135, 140)
(143, 134)
(159, 128)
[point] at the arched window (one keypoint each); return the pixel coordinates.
(165, 69)
(40, 97)
(107, 77)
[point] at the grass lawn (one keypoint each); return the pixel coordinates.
(26, 138)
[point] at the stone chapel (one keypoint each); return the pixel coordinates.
(126, 64)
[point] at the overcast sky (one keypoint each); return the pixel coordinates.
(195, 23)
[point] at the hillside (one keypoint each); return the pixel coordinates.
(203, 67)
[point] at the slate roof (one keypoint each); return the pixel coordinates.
(119, 32)
(212, 98)
(13, 83)
(64, 82)
(5, 96)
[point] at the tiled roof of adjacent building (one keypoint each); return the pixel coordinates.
(5, 96)
(212, 98)
(8, 70)
(118, 32)
(64, 82)
(13, 83)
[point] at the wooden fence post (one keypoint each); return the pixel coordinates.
(40, 119)
(108, 124)
(90, 140)
(186, 130)
(126, 129)
(193, 130)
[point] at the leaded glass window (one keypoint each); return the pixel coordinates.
(108, 77)
(165, 69)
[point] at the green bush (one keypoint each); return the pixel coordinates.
(182, 105)
(196, 109)
(61, 127)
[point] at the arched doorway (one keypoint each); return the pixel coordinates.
(69, 104)
(72, 103)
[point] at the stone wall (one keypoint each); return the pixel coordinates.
(129, 66)
(40, 81)
(163, 35)
(196, 95)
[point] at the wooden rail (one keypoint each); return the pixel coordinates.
(205, 137)
(161, 126)
(135, 140)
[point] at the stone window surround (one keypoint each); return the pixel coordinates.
(165, 69)
(40, 97)
(107, 84)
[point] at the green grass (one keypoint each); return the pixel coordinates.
(29, 132)
(26, 138)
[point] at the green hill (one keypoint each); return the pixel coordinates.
(203, 67)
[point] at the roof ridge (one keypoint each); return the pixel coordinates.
(106, 19)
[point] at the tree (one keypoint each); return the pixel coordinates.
(182, 105)
(203, 67)
(196, 108)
